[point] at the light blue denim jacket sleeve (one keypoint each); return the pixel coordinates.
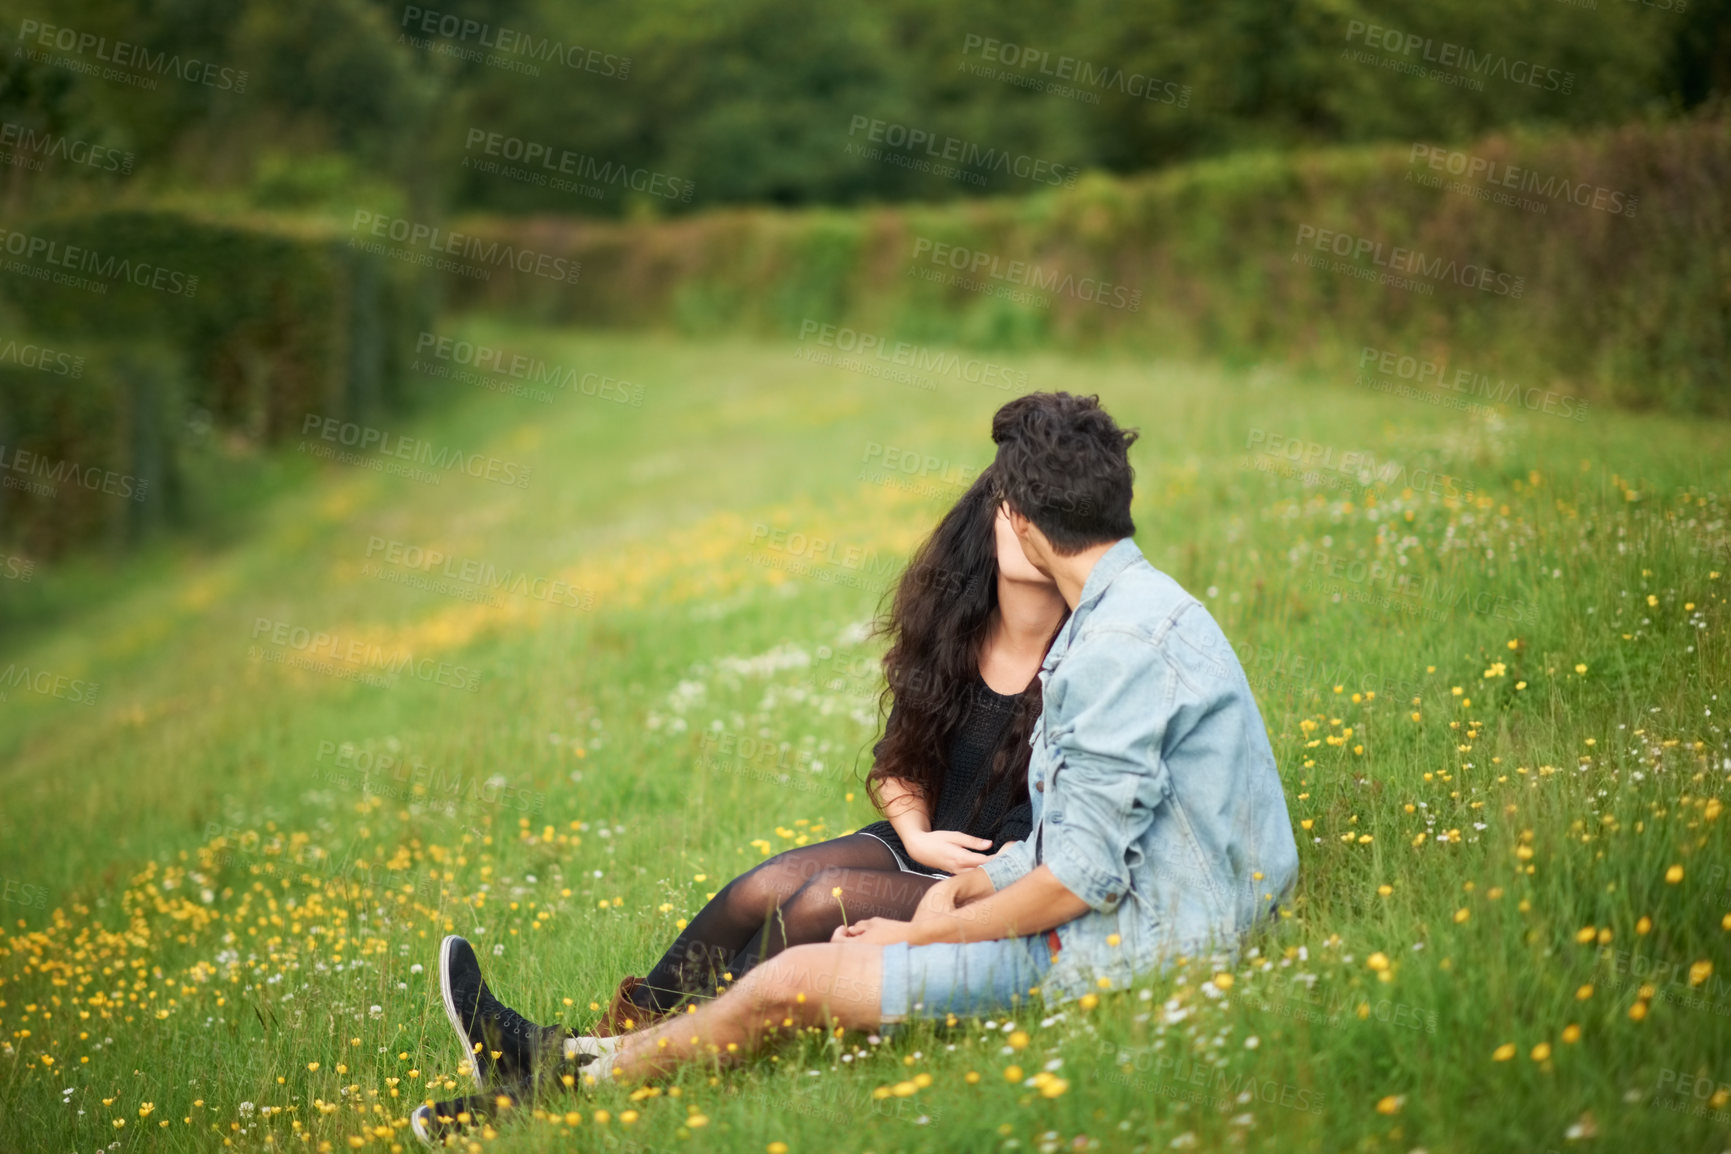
(1110, 701)
(1016, 861)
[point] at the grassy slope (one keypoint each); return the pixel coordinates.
(113, 811)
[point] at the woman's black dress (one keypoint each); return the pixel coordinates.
(1003, 815)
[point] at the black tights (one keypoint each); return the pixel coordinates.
(789, 900)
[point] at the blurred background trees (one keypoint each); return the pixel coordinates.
(751, 101)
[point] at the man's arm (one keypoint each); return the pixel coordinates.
(1036, 902)
(1112, 708)
(965, 908)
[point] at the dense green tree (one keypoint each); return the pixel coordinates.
(657, 106)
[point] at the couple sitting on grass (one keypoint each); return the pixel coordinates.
(1077, 788)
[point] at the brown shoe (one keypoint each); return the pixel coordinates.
(624, 1016)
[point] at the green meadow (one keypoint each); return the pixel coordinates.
(553, 696)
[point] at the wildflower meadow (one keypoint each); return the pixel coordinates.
(552, 697)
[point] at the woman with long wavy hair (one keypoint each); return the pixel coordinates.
(969, 625)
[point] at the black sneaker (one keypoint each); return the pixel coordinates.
(556, 1073)
(435, 1123)
(502, 1044)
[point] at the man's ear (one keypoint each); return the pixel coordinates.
(1035, 547)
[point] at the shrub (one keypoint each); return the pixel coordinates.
(1631, 306)
(246, 324)
(88, 437)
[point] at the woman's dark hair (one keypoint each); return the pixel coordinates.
(940, 613)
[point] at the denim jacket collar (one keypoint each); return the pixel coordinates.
(1111, 563)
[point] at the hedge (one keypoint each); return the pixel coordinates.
(1612, 281)
(244, 325)
(87, 443)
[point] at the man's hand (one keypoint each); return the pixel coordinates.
(940, 899)
(927, 926)
(947, 903)
(950, 893)
(970, 910)
(874, 931)
(949, 850)
(965, 908)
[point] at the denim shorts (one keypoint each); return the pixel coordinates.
(963, 978)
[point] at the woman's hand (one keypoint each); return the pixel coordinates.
(949, 850)
(873, 931)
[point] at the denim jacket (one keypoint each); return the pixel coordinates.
(1155, 795)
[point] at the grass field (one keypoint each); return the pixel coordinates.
(1489, 649)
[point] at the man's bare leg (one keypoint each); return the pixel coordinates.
(839, 982)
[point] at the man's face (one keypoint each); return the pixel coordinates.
(1035, 547)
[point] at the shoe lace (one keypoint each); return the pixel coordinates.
(505, 1025)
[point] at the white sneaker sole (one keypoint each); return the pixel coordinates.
(589, 1044)
(451, 1010)
(418, 1123)
(602, 1050)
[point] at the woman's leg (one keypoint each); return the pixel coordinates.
(833, 897)
(726, 925)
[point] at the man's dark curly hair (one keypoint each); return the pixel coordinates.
(1064, 464)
